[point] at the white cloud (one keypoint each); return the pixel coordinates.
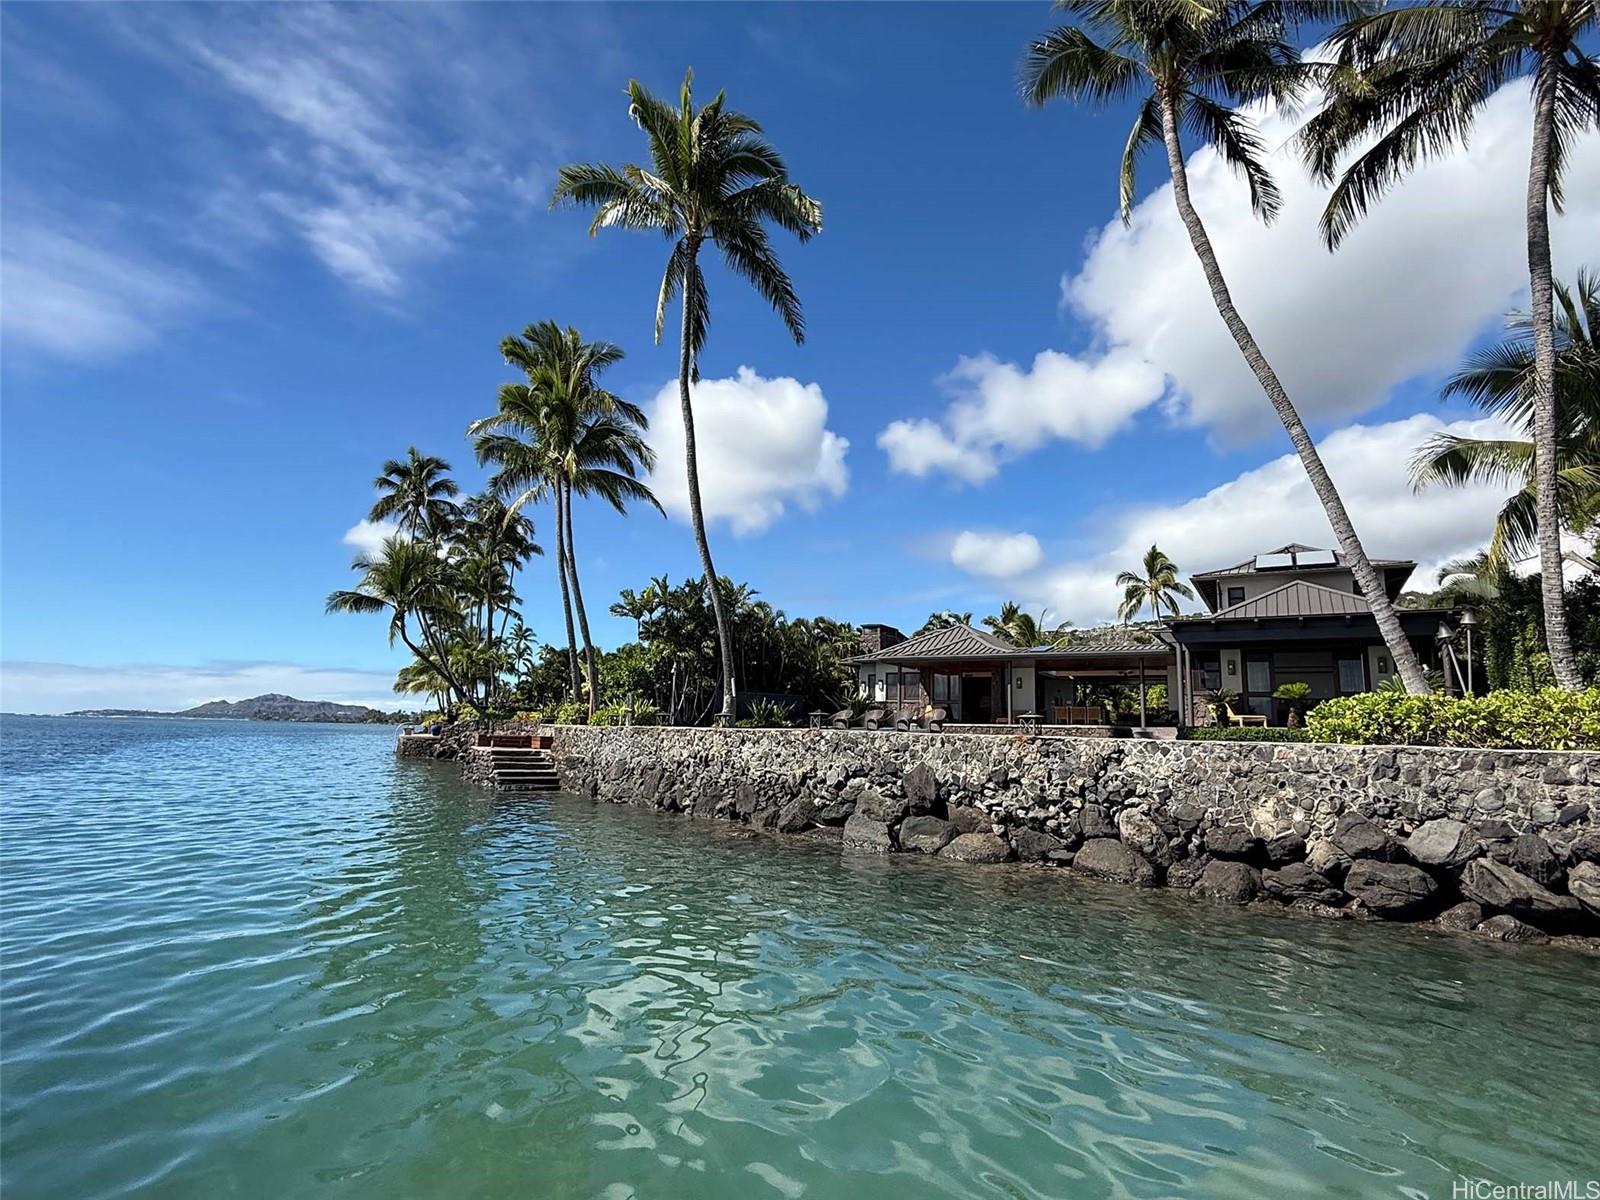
(1273, 504)
(71, 295)
(998, 555)
(761, 444)
(368, 536)
(63, 687)
(999, 411)
(1430, 267)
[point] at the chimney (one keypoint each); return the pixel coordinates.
(877, 638)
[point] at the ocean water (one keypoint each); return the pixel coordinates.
(259, 960)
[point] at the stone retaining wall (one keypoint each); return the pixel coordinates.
(1506, 843)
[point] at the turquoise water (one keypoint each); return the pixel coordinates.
(247, 959)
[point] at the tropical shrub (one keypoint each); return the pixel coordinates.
(617, 714)
(1550, 719)
(1243, 733)
(525, 716)
(431, 718)
(570, 712)
(768, 714)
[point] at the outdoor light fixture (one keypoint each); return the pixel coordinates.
(1468, 622)
(1233, 667)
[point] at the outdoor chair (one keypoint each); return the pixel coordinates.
(905, 719)
(840, 719)
(872, 718)
(934, 717)
(1245, 718)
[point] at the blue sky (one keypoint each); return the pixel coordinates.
(252, 251)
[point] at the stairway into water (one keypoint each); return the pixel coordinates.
(522, 769)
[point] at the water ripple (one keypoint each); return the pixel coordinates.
(257, 960)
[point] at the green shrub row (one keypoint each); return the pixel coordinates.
(1243, 733)
(570, 712)
(1551, 719)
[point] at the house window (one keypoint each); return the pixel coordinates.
(941, 688)
(1235, 596)
(1352, 676)
(910, 685)
(1258, 676)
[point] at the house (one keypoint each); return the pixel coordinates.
(981, 679)
(1294, 614)
(1291, 614)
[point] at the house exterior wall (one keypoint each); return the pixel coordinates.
(1260, 583)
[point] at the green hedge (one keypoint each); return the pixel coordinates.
(1242, 733)
(1552, 719)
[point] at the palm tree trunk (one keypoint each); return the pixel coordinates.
(566, 596)
(1400, 648)
(583, 616)
(696, 515)
(1562, 660)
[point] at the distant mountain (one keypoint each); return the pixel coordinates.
(274, 706)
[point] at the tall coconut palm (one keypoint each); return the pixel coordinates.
(712, 178)
(417, 492)
(584, 441)
(943, 619)
(1502, 380)
(1196, 64)
(1417, 77)
(406, 579)
(1155, 584)
(1023, 629)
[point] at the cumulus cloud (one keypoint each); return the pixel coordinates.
(997, 555)
(50, 687)
(1000, 410)
(1273, 504)
(1433, 265)
(762, 444)
(368, 536)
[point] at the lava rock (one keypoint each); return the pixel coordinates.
(977, 848)
(1460, 918)
(927, 834)
(1506, 928)
(1186, 872)
(1442, 843)
(969, 819)
(1229, 882)
(1287, 847)
(1390, 889)
(836, 811)
(1325, 858)
(876, 806)
(1107, 858)
(1235, 841)
(745, 799)
(1034, 845)
(1497, 886)
(1093, 821)
(1061, 858)
(1360, 838)
(863, 833)
(1297, 881)
(795, 815)
(1531, 855)
(1583, 881)
(921, 789)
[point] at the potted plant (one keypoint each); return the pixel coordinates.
(1296, 698)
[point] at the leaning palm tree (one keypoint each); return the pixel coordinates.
(1024, 630)
(1197, 63)
(406, 579)
(1502, 380)
(1155, 584)
(712, 178)
(585, 441)
(417, 492)
(1416, 77)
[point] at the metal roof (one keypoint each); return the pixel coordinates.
(1296, 556)
(962, 641)
(954, 641)
(1297, 599)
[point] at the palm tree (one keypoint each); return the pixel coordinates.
(581, 440)
(1417, 77)
(1023, 629)
(1199, 63)
(406, 579)
(416, 491)
(1502, 380)
(1470, 580)
(944, 619)
(712, 178)
(637, 607)
(1155, 584)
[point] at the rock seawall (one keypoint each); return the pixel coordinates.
(1504, 843)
